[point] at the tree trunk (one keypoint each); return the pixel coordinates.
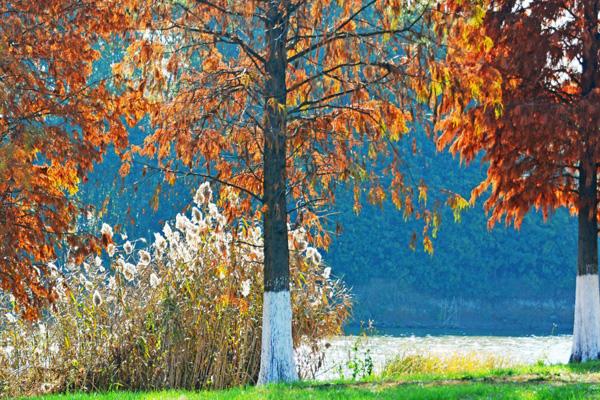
(586, 331)
(277, 353)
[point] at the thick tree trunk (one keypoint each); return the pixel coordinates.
(277, 352)
(586, 331)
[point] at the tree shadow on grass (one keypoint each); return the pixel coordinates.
(455, 390)
(582, 368)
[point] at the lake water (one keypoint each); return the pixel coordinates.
(382, 349)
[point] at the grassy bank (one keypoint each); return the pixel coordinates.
(478, 390)
(529, 382)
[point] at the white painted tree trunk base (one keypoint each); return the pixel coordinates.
(277, 349)
(586, 329)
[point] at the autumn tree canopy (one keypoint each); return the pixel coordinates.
(532, 69)
(522, 86)
(279, 101)
(55, 122)
(351, 71)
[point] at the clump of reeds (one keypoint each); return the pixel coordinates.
(182, 312)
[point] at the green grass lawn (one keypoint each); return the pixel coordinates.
(530, 382)
(413, 391)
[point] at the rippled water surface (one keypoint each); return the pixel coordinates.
(381, 349)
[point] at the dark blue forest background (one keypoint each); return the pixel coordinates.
(477, 281)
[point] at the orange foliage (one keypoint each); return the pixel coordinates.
(54, 124)
(349, 90)
(521, 83)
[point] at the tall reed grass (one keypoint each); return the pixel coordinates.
(182, 312)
